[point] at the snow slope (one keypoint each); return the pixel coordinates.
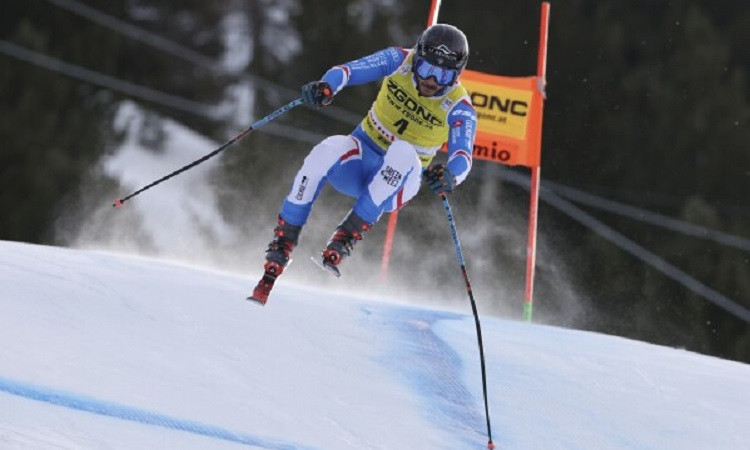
(100, 350)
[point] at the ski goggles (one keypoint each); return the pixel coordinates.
(443, 76)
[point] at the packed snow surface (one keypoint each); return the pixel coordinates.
(107, 351)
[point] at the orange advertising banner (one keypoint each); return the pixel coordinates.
(509, 116)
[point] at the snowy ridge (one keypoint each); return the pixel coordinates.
(110, 351)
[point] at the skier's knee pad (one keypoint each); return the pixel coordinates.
(402, 156)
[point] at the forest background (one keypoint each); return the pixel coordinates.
(647, 105)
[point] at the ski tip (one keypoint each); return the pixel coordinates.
(256, 301)
(117, 204)
(333, 270)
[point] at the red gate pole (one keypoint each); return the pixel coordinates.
(393, 216)
(536, 171)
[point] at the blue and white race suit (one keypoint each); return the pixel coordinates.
(380, 163)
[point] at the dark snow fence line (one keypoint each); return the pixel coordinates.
(630, 246)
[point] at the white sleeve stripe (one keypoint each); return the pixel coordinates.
(465, 98)
(346, 77)
(462, 153)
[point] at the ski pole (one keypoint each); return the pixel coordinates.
(241, 135)
(460, 256)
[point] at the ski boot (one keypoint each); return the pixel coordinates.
(342, 242)
(285, 239)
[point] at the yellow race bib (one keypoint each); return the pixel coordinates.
(399, 112)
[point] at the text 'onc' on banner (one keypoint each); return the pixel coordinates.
(509, 116)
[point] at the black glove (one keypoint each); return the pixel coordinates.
(439, 179)
(318, 93)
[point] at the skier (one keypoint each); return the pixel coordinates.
(420, 106)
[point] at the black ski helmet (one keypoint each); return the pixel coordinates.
(443, 45)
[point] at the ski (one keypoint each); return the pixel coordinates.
(262, 289)
(265, 285)
(257, 297)
(328, 267)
